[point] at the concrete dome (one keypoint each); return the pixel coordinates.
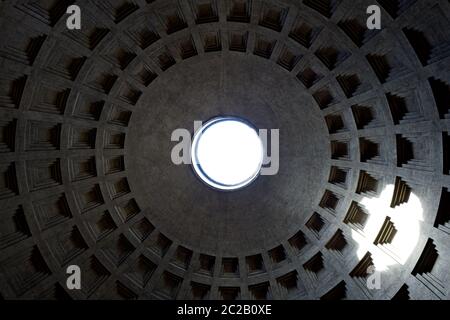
(85, 146)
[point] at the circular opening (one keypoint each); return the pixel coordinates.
(227, 153)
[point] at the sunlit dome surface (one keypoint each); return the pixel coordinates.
(227, 153)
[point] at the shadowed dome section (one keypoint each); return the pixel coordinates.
(175, 198)
(86, 176)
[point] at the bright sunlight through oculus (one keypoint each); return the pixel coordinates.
(227, 153)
